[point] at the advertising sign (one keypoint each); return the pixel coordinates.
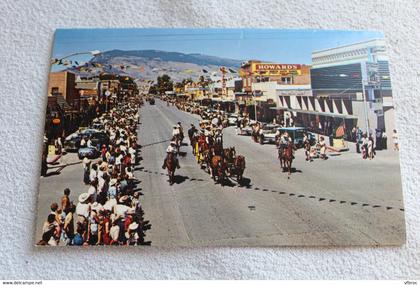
(373, 78)
(276, 69)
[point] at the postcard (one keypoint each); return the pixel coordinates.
(219, 137)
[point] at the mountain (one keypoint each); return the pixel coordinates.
(148, 64)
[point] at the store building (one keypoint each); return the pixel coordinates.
(265, 82)
(350, 87)
(62, 84)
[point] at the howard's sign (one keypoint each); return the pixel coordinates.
(274, 68)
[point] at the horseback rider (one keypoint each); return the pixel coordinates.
(171, 149)
(192, 132)
(176, 135)
(284, 140)
(181, 130)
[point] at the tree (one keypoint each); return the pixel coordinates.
(164, 83)
(153, 90)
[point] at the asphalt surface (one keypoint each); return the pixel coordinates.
(344, 200)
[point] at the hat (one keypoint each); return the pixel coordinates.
(86, 160)
(112, 182)
(133, 226)
(83, 197)
(123, 199)
(172, 142)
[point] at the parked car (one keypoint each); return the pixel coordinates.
(246, 131)
(98, 126)
(89, 152)
(269, 133)
(72, 142)
(232, 118)
(152, 101)
(296, 134)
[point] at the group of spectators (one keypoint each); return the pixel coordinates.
(109, 212)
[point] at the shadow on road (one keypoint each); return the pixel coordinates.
(293, 170)
(178, 179)
(150, 144)
(52, 173)
(182, 153)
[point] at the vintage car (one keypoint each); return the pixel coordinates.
(269, 133)
(246, 131)
(89, 152)
(72, 142)
(232, 118)
(296, 134)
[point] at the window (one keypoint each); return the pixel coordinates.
(55, 90)
(286, 80)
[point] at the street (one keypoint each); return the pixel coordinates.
(341, 201)
(344, 200)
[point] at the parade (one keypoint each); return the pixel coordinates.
(154, 147)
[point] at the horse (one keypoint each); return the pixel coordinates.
(201, 147)
(239, 167)
(286, 157)
(207, 157)
(171, 164)
(229, 154)
(218, 168)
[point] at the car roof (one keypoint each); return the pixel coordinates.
(292, 128)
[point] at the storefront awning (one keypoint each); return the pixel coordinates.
(334, 115)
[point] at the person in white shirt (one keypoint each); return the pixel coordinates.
(175, 131)
(89, 143)
(171, 149)
(93, 172)
(83, 142)
(132, 152)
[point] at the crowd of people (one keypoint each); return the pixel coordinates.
(109, 212)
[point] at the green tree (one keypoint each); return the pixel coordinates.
(164, 83)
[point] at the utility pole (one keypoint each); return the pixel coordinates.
(255, 105)
(365, 108)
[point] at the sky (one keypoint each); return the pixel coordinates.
(273, 45)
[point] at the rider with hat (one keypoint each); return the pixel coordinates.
(192, 132)
(283, 142)
(171, 149)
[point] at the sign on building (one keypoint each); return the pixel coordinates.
(373, 78)
(270, 69)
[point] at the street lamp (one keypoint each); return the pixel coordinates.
(255, 106)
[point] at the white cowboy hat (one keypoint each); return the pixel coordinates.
(133, 226)
(172, 142)
(83, 197)
(112, 182)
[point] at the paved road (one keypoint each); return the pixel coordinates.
(342, 201)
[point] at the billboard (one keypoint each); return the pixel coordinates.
(272, 69)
